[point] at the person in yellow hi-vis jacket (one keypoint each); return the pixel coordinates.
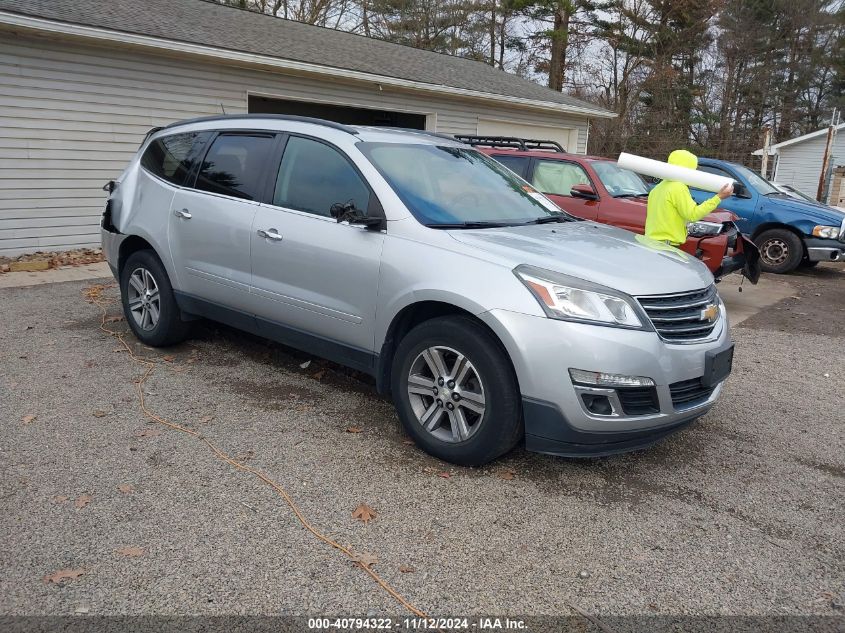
(671, 207)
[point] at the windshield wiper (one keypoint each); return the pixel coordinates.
(470, 225)
(548, 219)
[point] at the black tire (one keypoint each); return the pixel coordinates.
(493, 433)
(781, 251)
(169, 328)
(809, 264)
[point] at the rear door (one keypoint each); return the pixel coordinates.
(555, 178)
(211, 222)
(310, 274)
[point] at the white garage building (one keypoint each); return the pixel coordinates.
(84, 81)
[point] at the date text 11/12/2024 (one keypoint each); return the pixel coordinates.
(416, 624)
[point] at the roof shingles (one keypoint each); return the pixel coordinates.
(211, 24)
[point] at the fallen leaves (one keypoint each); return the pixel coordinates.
(114, 319)
(444, 474)
(205, 419)
(61, 575)
(150, 432)
(132, 551)
(168, 358)
(364, 513)
(407, 569)
(29, 419)
(354, 429)
(318, 375)
(82, 501)
(99, 413)
(365, 561)
(507, 475)
(126, 488)
(60, 499)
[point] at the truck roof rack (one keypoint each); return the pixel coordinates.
(513, 142)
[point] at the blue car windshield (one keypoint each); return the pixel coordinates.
(760, 184)
(449, 185)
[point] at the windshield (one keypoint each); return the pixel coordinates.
(456, 185)
(759, 183)
(618, 181)
(800, 195)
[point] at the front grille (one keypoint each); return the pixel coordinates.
(680, 317)
(638, 400)
(689, 392)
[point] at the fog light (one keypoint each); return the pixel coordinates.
(602, 379)
(600, 405)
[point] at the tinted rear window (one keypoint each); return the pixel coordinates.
(235, 165)
(172, 157)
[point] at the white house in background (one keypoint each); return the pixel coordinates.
(84, 81)
(798, 161)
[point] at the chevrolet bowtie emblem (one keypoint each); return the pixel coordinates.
(710, 313)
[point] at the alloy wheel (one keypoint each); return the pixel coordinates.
(144, 298)
(446, 394)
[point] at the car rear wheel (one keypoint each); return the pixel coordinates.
(781, 251)
(148, 302)
(455, 391)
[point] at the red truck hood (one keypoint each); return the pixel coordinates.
(719, 215)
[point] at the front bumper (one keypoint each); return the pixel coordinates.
(824, 250)
(556, 419)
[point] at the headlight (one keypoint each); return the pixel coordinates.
(829, 232)
(571, 299)
(704, 228)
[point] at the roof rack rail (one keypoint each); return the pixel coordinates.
(513, 142)
(275, 117)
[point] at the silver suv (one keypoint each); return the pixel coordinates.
(485, 311)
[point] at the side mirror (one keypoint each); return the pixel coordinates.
(740, 190)
(585, 192)
(348, 212)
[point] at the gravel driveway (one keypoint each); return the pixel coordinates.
(740, 514)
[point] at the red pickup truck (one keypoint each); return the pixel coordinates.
(598, 189)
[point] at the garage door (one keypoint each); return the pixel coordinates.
(567, 137)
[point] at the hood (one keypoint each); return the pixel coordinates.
(602, 254)
(683, 158)
(820, 213)
(719, 215)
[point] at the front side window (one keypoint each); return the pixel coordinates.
(619, 182)
(235, 164)
(558, 177)
(448, 185)
(517, 164)
(314, 176)
(756, 181)
(172, 157)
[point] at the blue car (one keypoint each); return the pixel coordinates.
(789, 232)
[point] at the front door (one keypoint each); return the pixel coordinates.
(555, 178)
(744, 207)
(312, 276)
(211, 223)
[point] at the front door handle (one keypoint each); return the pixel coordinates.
(182, 213)
(270, 234)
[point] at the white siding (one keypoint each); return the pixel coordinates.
(800, 164)
(72, 115)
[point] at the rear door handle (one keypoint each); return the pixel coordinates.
(182, 213)
(270, 234)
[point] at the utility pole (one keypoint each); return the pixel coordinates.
(767, 140)
(831, 135)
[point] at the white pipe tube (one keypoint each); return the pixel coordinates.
(665, 171)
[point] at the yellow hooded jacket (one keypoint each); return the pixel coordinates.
(671, 207)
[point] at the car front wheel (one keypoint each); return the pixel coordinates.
(781, 251)
(456, 392)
